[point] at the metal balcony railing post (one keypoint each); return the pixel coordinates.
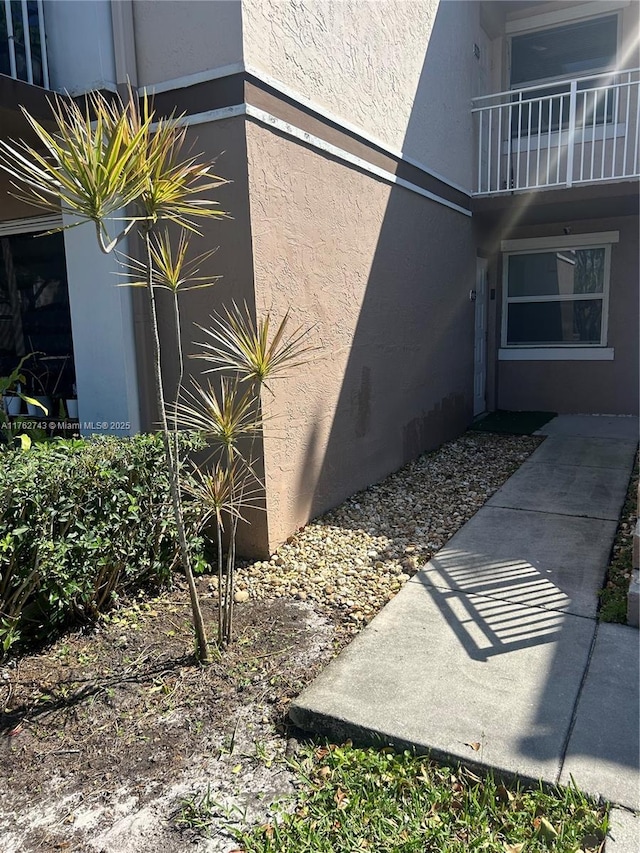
(43, 46)
(26, 31)
(571, 138)
(11, 39)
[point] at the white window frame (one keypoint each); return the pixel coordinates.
(557, 351)
(553, 21)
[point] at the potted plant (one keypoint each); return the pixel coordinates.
(12, 394)
(38, 401)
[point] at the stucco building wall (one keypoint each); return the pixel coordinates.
(402, 71)
(607, 387)
(177, 38)
(383, 276)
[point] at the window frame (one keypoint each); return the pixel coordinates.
(544, 245)
(547, 25)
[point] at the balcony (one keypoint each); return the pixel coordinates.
(575, 132)
(23, 50)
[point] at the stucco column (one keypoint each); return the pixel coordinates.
(103, 339)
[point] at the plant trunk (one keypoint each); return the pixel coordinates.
(220, 580)
(202, 647)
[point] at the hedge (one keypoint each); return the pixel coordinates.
(81, 522)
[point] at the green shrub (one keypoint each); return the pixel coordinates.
(80, 523)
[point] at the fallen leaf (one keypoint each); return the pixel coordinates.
(512, 848)
(504, 794)
(341, 799)
(475, 746)
(545, 828)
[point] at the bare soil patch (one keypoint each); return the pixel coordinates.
(106, 734)
(102, 724)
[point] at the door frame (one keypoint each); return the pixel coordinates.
(480, 328)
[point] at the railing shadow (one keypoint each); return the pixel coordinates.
(489, 610)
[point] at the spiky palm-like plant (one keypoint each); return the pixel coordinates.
(228, 412)
(100, 159)
(113, 155)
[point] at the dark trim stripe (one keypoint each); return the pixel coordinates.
(246, 88)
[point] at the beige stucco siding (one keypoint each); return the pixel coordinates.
(177, 38)
(402, 71)
(233, 263)
(607, 387)
(383, 276)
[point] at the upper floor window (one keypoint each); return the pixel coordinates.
(572, 50)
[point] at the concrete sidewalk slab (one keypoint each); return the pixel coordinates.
(566, 490)
(596, 426)
(531, 558)
(624, 832)
(441, 670)
(603, 752)
(591, 452)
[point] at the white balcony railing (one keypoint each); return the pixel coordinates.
(23, 48)
(561, 134)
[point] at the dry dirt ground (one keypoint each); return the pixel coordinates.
(109, 733)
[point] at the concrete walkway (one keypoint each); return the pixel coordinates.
(492, 653)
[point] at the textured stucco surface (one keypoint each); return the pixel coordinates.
(403, 71)
(606, 387)
(175, 38)
(383, 276)
(233, 262)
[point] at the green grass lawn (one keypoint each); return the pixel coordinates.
(353, 799)
(614, 594)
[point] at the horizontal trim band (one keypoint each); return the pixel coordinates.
(247, 71)
(556, 354)
(347, 157)
(294, 132)
(30, 224)
(568, 242)
(564, 16)
(320, 144)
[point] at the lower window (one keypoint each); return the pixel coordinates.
(556, 297)
(35, 316)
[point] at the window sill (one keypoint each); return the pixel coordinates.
(556, 354)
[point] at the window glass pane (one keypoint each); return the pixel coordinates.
(34, 312)
(562, 273)
(18, 39)
(575, 322)
(572, 49)
(543, 112)
(5, 67)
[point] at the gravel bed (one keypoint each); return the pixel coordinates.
(351, 561)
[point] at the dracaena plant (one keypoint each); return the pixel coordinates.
(243, 355)
(119, 166)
